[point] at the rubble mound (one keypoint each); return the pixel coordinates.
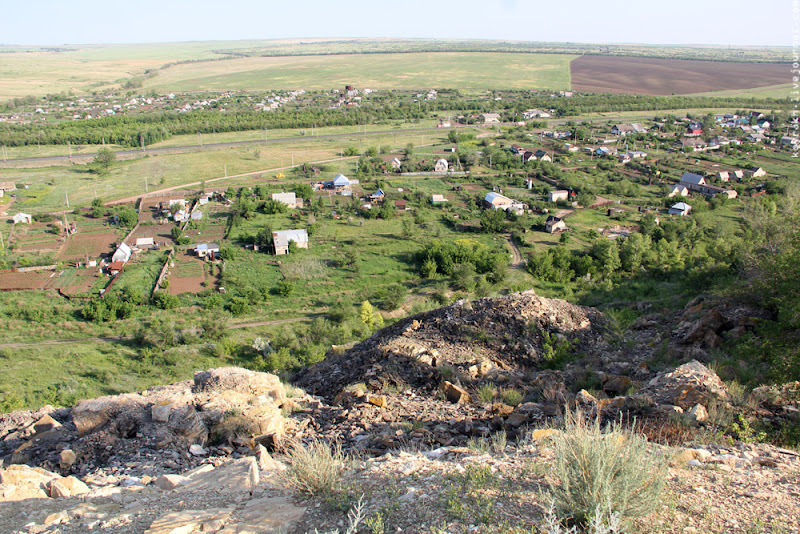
(469, 340)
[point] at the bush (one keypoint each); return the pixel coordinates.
(316, 468)
(607, 470)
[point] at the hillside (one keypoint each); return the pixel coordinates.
(450, 415)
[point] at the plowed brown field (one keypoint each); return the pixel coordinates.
(653, 76)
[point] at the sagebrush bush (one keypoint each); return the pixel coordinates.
(608, 469)
(316, 468)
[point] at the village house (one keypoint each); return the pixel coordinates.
(22, 218)
(625, 129)
(290, 199)
(554, 224)
(694, 129)
(207, 250)
(490, 118)
(438, 199)
(497, 201)
(536, 114)
(281, 239)
(678, 190)
(757, 172)
(396, 164)
(400, 205)
(697, 183)
(444, 123)
(541, 155)
(555, 196)
(694, 144)
(115, 267)
(7, 187)
(377, 196)
(441, 165)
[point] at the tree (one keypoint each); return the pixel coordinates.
(104, 158)
(492, 221)
(303, 191)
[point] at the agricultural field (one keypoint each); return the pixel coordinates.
(465, 71)
(69, 281)
(654, 76)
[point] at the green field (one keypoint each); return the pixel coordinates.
(772, 91)
(469, 71)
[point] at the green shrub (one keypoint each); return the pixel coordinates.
(511, 396)
(486, 392)
(607, 469)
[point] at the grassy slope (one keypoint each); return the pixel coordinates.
(385, 71)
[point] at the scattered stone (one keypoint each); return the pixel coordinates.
(66, 459)
(197, 450)
(379, 401)
(188, 521)
(699, 413)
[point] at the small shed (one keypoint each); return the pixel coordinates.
(555, 196)
(22, 218)
(681, 208)
(207, 250)
(554, 224)
(441, 165)
(438, 199)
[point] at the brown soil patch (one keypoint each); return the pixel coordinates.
(187, 276)
(92, 244)
(159, 233)
(653, 76)
(18, 281)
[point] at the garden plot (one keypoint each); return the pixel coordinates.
(188, 275)
(91, 243)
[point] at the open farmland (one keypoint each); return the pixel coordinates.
(609, 74)
(387, 71)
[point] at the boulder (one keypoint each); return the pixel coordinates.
(46, 424)
(240, 380)
(187, 423)
(688, 385)
(710, 323)
(456, 394)
(19, 482)
(67, 487)
(66, 459)
(617, 384)
(127, 412)
(170, 482)
(188, 521)
(698, 413)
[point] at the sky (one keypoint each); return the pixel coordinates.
(721, 22)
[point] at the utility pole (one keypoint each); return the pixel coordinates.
(145, 184)
(66, 198)
(141, 140)
(199, 139)
(226, 170)
(69, 147)
(4, 152)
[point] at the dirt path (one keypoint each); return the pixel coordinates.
(516, 261)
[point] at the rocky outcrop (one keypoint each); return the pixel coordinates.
(226, 407)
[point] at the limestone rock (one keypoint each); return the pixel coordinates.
(46, 424)
(585, 398)
(67, 487)
(378, 400)
(20, 482)
(456, 394)
(66, 458)
(699, 413)
(188, 521)
(688, 385)
(240, 380)
(170, 482)
(237, 476)
(265, 516)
